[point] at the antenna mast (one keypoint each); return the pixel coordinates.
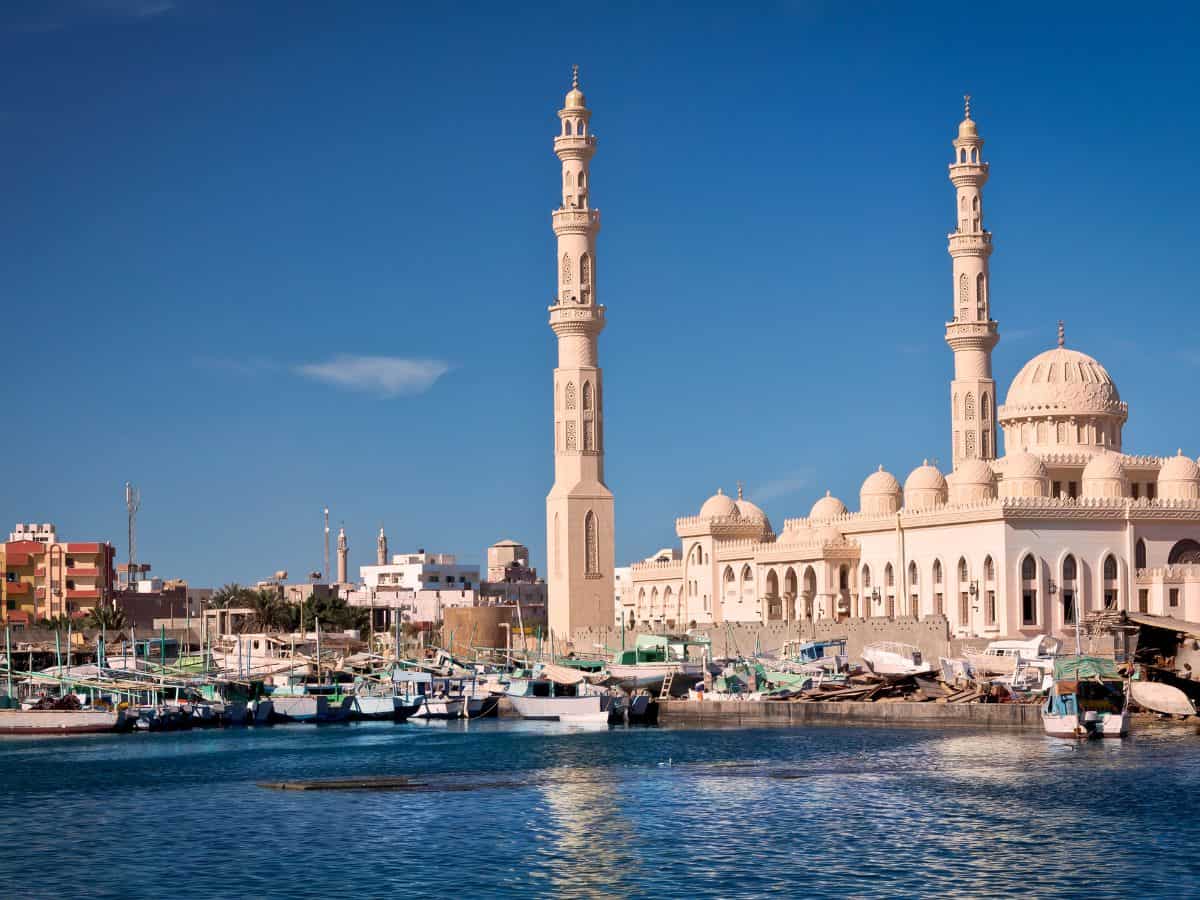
(133, 502)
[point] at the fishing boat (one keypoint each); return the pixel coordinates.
(61, 721)
(585, 720)
(893, 658)
(1000, 657)
(655, 656)
(1088, 699)
(554, 691)
(1161, 698)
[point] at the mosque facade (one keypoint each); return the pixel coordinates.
(1066, 522)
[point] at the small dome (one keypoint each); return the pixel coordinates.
(828, 507)
(878, 483)
(575, 99)
(925, 487)
(750, 511)
(966, 128)
(1179, 479)
(828, 535)
(1104, 465)
(718, 506)
(1024, 476)
(972, 482)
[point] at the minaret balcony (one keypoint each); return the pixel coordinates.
(977, 243)
(576, 318)
(576, 221)
(968, 173)
(972, 335)
(574, 146)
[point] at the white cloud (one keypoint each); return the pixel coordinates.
(387, 375)
(780, 487)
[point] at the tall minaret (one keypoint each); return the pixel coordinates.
(579, 508)
(381, 554)
(343, 553)
(972, 334)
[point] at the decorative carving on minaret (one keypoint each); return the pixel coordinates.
(971, 332)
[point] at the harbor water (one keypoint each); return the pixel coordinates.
(505, 808)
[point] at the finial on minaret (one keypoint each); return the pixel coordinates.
(739, 490)
(966, 106)
(1062, 334)
(575, 76)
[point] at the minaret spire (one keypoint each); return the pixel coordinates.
(972, 333)
(343, 556)
(381, 548)
(579, 508)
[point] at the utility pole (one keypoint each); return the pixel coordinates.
(325, 571)
(133, 502)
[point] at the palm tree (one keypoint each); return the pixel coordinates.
(232, 594)
(269, 610)
(111, 618)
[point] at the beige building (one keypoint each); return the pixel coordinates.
(502, 556)
(579, 508)
(1066, 522)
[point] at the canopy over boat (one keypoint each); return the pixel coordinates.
(561, 674)
(1081, 668)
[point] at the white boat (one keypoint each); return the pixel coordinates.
(585, 720)
(440, 708)
(1000, 657)
(555, 691)
(367, 706)
(892, 658)
(1161, 698)
(1088, 699)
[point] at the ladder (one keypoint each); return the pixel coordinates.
(665, 693)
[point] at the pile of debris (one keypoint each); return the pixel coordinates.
(926, 688)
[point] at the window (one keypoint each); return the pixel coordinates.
(889, 576)
(964, 608)
(1111, 589)
(1136, 490)
(1173, 597)
(963, 290)
(566, 269)
(990, 608)
(1143, 599)
(963, 572)
(591, 539)
(980, 304)
(866, 577)
(1151, 490)
(937, 571)
(985, 406)
(1069, 593)
(585, 271)
(1028, 591)
(989, 569)
(1139, 553)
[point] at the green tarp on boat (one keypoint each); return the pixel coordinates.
(1084, 668)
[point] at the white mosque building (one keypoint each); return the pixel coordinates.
(1066, 522)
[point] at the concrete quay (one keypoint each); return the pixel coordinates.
(742, 712)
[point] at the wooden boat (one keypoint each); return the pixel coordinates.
(655, 656)
(370, 706)
(555, 691)
(1088, 699)
(61, 721)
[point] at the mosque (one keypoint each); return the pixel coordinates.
(1064, 523)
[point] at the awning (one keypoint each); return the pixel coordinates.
(1166, 623)
(561, 674)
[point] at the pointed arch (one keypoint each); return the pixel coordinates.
(567, 178)
(591, 540)
(587, 396)
(566, 269)
(963, 295)
(980, 299)
(585, 271)
(985, 406)
(1139, 554)
(1111, 586)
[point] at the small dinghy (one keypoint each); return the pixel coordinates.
(1162, 698)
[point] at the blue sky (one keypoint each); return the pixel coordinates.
(274, 256)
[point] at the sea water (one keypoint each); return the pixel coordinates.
(519, 809)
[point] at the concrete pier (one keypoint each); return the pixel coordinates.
(735, 712)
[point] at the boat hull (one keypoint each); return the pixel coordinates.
(65, 721)
(1111, 725)
(375, 707)
(550, 708)
(650, 676)
(440, 709)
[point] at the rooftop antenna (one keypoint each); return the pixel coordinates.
(325, 572)
(133, 502)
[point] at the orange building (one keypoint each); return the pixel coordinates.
(45, 577)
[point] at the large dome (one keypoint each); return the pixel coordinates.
(718, 506)
(1063, 380)
(880, 494)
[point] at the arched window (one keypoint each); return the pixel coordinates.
(566, 268)
(668, 596)
(591, 539)
(1029, 591)
(1068, 590)
(1184, 553)
(567, 179)
(889, 576)
(985, 406)
(844, 578)
(980, 300)
(1029, 569)
(570, 395)
(912, 574)
(963, 298)
(1111, 587)
(975, 203)
(969, 407)
(962, 155)
(585, 271)
(1062, 433)
(1139, 554)
(989, 569)
(587, 396)
(567, 127)
(975, 154)
(937, 571)
(964, 573)
(866, 577)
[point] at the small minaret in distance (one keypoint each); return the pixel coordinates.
(579, 508)
(343, 556)
(381, 554)
(972, 333)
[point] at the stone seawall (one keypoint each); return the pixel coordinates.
(930, 634)
(742, 712)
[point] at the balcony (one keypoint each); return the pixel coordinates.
(17, 588)
(84, 594)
